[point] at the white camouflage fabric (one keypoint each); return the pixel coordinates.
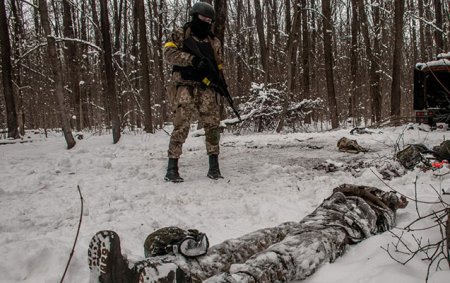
(291, 251)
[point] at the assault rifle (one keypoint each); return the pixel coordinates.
(214, 79)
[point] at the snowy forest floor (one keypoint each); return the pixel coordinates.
(269, 179)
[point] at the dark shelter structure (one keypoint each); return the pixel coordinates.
(288, 252)
(432, 91)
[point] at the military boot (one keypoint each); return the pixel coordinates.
(172, 174)
(214, 171)
(106, 263)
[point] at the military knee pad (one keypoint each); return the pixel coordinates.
(213, 137)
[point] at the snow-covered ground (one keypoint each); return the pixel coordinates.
(269, 179)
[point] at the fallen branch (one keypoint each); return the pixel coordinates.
(407, 197)
(76, 237)
(302, 109)
(434, 251)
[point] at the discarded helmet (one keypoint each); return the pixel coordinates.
(203, 9)
(173, 240)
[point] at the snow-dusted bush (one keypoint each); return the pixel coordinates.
(266, 106)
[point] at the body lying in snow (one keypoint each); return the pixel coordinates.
(288, 252)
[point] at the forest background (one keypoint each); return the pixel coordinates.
(98, 64)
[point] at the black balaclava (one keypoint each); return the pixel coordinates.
(200, 28)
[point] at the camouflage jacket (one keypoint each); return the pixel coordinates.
(174, 54)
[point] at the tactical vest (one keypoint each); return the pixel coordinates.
(189, 73)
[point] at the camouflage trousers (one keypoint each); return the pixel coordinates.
(186, 102)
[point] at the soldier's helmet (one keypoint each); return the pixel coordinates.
(204, 9)
(172, 240)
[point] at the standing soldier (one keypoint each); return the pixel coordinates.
(190, 90)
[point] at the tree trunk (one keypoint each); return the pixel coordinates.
(412, 30)
(251, 42)
(374, 76)
(397, 59)
(447, 26)
(291, 62)
(240, 41)
(262, 41)
(145, 70)
(160, 60)
(287, 16)
(313, 52)
(423, 49)
(16, 9)
(118, 24)
(134, 52)
(57, 71)
(85, 89)
(439, 34)
(73, 64)
(305, 56)
(11, 114)
(329, 62)
(221, 9)
(101, 70)
(110, 79)
(354, 85)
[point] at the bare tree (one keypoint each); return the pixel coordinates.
(221, 18)
(329, 61)
(157, 33)
(354, 85)
(145, 71)
(262, 40)
(16, 10)
(110, 79)
(439, 32)
(291, 58)
(73, 64)
(422, 48)
(305, 51)
(11, 114)
(57, 72)
(399, 7)
(374, 74)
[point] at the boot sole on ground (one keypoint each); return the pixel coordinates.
(215, 177)
(106, 262)
(181, 180)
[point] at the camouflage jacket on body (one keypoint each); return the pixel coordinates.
(175, 56)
